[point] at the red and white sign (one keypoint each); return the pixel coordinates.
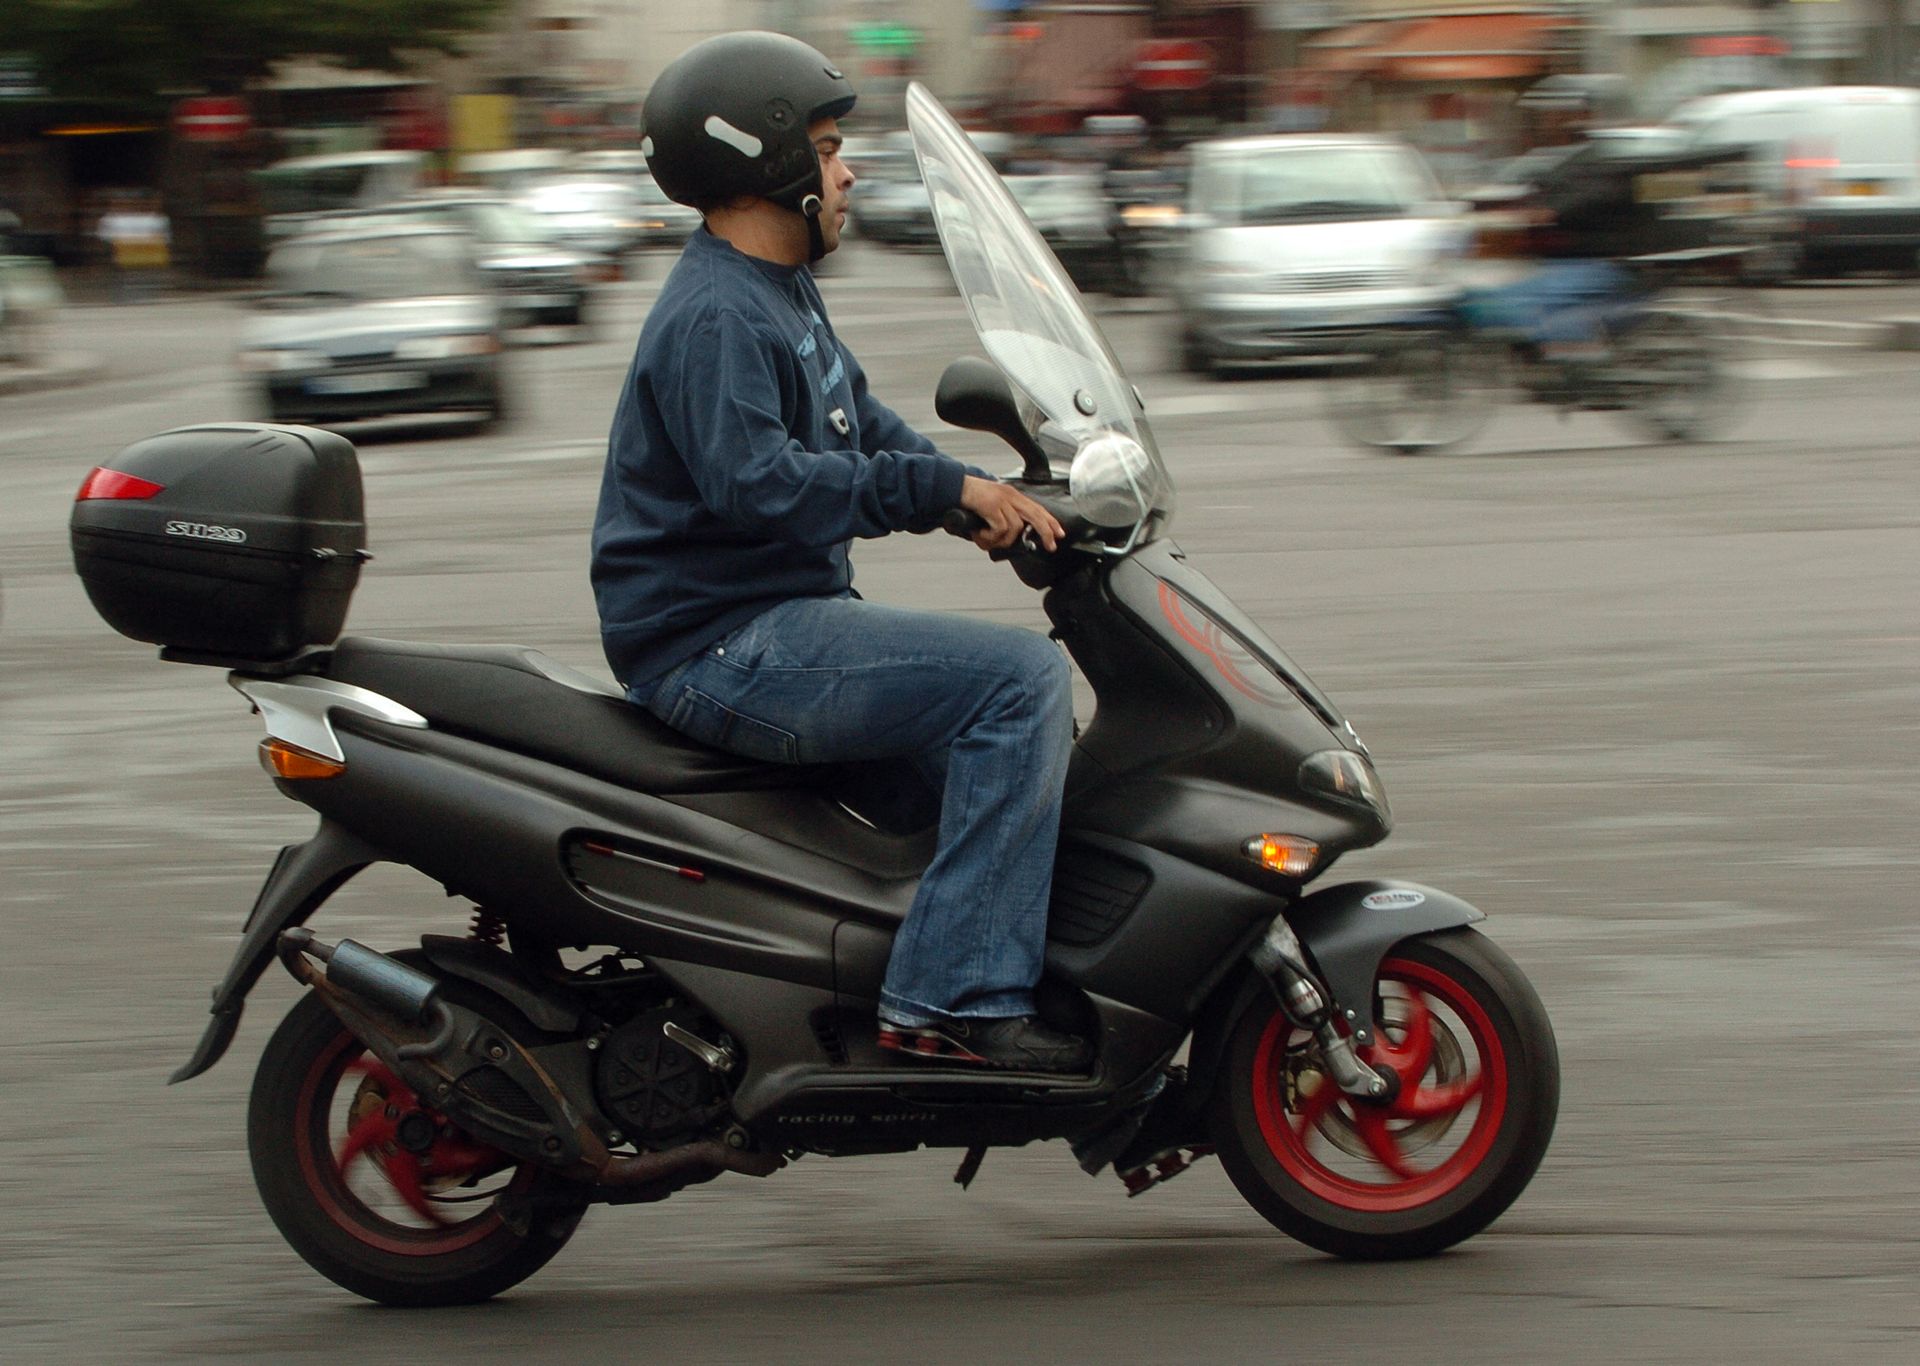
(1172, 64)
(212, 118)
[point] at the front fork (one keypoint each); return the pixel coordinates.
(1310, 1006)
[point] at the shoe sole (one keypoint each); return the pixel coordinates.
(931, 1045)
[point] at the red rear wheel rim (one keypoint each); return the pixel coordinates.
(320, 1150)
(1407, 1183)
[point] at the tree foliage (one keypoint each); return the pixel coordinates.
(121, 49)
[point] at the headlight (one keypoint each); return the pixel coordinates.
(439, 348)
(1112, 480)
(271, 359)
(1346, 777)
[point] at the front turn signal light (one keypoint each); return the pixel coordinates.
(283, 760)
(1288, 855)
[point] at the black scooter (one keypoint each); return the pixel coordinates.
(675, 955)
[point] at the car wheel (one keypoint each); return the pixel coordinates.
(1194, 357)
(495, 411)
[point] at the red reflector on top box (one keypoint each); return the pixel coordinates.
(106, 483)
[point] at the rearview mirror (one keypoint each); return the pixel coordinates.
(974, 394)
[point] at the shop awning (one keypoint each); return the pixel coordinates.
(1351, 48)
(1464, 47)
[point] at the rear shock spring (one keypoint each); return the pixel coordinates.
(487, 928)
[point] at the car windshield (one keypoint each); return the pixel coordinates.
(1314, 183)
(373, 267)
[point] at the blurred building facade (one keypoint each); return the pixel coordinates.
(1452, 73)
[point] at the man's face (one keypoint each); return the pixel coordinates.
(836, 180)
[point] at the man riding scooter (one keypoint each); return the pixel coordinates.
(746, 454)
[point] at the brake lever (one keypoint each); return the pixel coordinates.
(1029, 541)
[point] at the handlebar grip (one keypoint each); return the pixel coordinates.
(959, 522)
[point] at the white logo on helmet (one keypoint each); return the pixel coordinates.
(646, 147)
(737, 138)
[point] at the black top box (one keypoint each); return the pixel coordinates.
(240, 541)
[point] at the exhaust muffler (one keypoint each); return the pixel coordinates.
(480, 1076)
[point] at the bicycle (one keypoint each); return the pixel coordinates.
(1430, 383)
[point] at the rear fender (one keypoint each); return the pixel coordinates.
(1347, 931)
(303, 876)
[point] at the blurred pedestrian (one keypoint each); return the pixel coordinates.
(139, 242)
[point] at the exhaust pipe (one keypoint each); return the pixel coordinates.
(388, 1005)
(367, 973)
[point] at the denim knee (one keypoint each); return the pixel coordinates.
(1039, 669)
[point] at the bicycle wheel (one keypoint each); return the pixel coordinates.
(1412, 391)
(1671, 374)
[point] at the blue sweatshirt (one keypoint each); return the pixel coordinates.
(745, 455)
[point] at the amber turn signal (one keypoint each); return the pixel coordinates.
(283, 760)
(1286, 854)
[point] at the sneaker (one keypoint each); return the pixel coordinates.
(1017, 1043)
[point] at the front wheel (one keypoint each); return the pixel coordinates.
(1479, 1088)
(376, 1190)
(1671, 375)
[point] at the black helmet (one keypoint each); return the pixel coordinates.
(729, 117)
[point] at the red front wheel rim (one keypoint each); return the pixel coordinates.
(1439, 1019)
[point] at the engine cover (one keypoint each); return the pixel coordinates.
(655, 1090)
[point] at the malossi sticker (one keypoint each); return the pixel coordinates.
(1400, 900)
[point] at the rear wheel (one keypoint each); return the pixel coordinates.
(376, 1190)
(1479, 1088)
(1413, 391)
(1671, 375)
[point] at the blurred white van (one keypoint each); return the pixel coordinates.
(1843, 161)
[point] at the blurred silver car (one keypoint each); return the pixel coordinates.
(374, 321)
(539, 278)
(897, 212)
(605, 216)
(663, 223)
(1292, 243)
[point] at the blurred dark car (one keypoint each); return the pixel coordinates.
(372, 322)
(539, 278)
(1625, 192)
(1072, 213)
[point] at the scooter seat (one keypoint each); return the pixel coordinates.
(877, 816)
(519, 699)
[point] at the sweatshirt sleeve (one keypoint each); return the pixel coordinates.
(721, 403)
(882, 429)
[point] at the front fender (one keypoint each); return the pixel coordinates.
(1347, 940)
(1347, 930)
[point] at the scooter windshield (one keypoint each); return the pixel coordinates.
(1028, 315)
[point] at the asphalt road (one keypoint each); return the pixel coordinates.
(1653, 708)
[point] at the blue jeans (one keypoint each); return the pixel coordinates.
(984, 711)
(1563, 300)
